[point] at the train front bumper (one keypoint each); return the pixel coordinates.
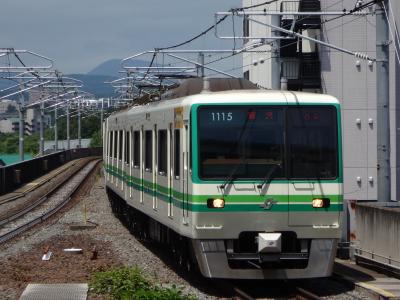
(213, 262)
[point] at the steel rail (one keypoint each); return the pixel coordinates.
(12, 233)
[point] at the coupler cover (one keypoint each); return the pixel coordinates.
(269, 242)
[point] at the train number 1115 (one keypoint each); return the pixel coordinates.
(221, 117)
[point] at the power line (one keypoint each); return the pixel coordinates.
(253, 6)
(352, 11)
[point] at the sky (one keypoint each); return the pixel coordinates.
(80, 34)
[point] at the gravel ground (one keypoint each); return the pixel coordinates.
(21, 262)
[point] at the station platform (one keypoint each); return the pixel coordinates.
(376, 284)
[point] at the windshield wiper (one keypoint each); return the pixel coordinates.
(268, 176)
(232, 174)
(242, 160)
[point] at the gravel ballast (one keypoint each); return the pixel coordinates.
(21, 259)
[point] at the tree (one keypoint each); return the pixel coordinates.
(96, 140)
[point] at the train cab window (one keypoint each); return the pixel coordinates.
(177, 151)
(148, 151)
(312, 140)
(127, 148)
(115, 144)
(136, 149)
(162, 152)
(121, 134)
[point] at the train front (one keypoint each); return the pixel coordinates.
(267, 189)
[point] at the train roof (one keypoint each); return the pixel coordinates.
(224, 91)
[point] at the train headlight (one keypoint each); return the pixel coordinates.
(320, 202)
(216, 203)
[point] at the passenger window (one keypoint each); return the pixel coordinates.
(177, 151)
(136, 149)
(109, 154)
(120, 144)
(162, 152)
(127, 148)
(115, 144)
(148, 157)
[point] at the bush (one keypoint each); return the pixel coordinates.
(129, 283)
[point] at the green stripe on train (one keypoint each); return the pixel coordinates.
(198, 203)
(231, 198)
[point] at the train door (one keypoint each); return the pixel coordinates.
(177, 193)
(140, 146)
(162, 169)
(148, 173)
(312, 157)
(186, 170)
(170, 171)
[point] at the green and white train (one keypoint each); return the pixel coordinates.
(242, 183)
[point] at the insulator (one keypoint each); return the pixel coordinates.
(361, 55)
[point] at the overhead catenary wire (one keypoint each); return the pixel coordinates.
(391, 32)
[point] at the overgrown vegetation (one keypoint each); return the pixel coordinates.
(9, 143)
(125, 283)
(90, 128)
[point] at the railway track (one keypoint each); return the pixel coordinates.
(27, 216)
(292, 292)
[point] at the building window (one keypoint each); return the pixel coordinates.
(177, 150)
(246, 75)
(162, 152)
(127, 148)
(136, 149)
(148, 151)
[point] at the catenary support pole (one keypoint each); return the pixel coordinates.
(101, 117)
(55, 130)
(275, 55)
(41, 124)
(21, 111)
(200, 68)
(382, 99)
(79, 124)
(68, 126)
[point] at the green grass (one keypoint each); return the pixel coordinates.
(125, 283)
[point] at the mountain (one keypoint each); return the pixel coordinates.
(96, 85)
(113, 66)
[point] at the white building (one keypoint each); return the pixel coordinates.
(311, 67)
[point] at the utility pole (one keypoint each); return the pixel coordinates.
(275, 54)
(382, 99)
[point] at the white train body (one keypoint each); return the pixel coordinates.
(173, 160)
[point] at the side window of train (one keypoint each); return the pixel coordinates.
(148, 151)
(127, 148)
(177, 152)
(120, 144)
(136, 149)
(115, 144)
(162, 152)
(110, 134)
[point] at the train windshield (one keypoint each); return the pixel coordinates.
(256, 142)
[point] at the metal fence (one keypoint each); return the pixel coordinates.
(15, 175)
